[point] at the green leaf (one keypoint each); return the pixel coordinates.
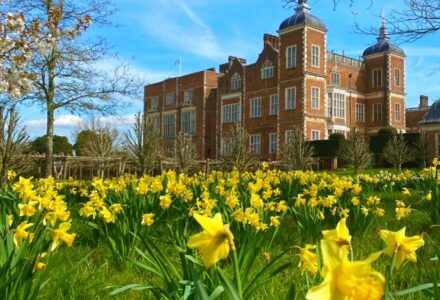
(217, 292)
(414, 289)
(228, 286)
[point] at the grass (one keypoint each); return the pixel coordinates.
(88, 271)
(98, 276)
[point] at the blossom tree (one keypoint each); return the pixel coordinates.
(65, 66)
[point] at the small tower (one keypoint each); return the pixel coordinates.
(385, 82)
(303, 73)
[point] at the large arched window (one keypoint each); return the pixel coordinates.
(235, 82)
(267, 70)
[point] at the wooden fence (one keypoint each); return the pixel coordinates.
(80, 167)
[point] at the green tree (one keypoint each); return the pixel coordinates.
(61, 145)
(81, 140)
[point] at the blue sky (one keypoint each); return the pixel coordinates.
(153, 34)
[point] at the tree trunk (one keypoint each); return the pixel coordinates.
(49, 140)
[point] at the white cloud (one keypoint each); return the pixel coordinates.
(61, 121)
(182, 29)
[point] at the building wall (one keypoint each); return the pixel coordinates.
(213, 91)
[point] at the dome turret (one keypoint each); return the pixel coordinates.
(383, 43)
(302, 16)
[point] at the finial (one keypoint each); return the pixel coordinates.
(382, 17)
(383, 34)
(302, 5)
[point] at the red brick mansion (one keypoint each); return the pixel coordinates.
(295, 82)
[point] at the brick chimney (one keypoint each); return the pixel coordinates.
(271, 39)
(423, 101)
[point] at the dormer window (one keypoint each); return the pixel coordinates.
(267, 70)
(235, 82)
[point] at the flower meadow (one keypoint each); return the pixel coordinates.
(267, 234)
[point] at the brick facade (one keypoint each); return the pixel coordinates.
(295, 82)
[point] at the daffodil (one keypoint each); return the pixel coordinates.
(61, 234)
(308, 260)
(428, 196)
(147, 219)
(165, 201)
(214, 242)
(345, 279)
(340, 235)
(21, 234)
(404, 247)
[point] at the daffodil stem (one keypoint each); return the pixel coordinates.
(237, 273)
(390, 274)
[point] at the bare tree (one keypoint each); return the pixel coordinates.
(185, 152)
(356, 151)
(297, 151)
(411, 21)
(397, 152)
(101, 146)
(236, 153)
(13, 144)
(68, 76)
(142, 142)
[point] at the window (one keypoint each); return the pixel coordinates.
(315, 98)
(397, 77)
(291, 98)
(231, 113)
(377, 112)
(256, 108)
(336, 79)
(235, 82)
(267, 70)
(226, 146)
(189, 122)
(255, 144)
(274, 104)
(315, 56)
(339, 105)
(155, 103)
(289, 136)
(315, 135)
(377, 77)
(291, 57)
(169, 125)
(273, 143)
(155, 121)
(397, 112)
(170, 99)
(188, 97)
(329, 105)
(360, 112)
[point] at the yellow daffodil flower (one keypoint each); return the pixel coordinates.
(10, 219)
(147, 219)
(21, 234)
(61, 234)
(406, 192)
(340, 235)
(404, 247)
(308, 260)
(347, 280)
(428, 196)
(165, 201)
(214, 242)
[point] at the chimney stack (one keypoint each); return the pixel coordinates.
(423, 101)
